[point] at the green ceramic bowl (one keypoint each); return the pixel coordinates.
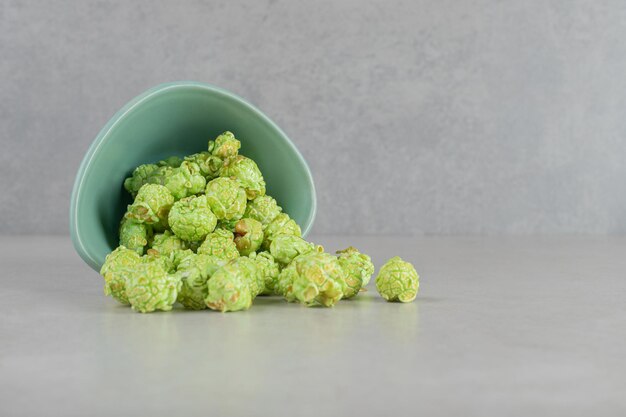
(178, 119)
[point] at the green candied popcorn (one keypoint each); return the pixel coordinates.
(263, 209)
(160, 227)
(358, 268)
(149, 287)
(225, 146)
(281, 225)
(229, 289)
(209, 164)
(166, 243)
(160, 175)
(179, 256)
(152, 204)
(397, 281)
(134, 235)
(268, 269)
(140, 176)
(117, 267)
(226, 198)
(284, 248)
(227, 224)
(220, 244)
(313, 279)
(194, 271)
(284, 284)
(255, 278)
(247, 173)
(191, 218)
(248, 236)
(166, 261)
(186, 180)
(172, 161)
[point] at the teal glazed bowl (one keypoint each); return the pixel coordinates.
(178, 119)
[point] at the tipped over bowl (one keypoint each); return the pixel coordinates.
(178, 118)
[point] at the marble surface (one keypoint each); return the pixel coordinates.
(502, 326)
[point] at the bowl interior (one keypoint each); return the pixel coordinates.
(178, 119)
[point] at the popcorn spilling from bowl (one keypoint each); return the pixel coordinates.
(202, 232)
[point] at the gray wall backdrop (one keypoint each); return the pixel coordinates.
(416, 117)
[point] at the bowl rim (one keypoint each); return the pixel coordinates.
(122, 113)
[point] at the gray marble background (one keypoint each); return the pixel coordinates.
(416, 117)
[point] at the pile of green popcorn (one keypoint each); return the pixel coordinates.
(202, 232)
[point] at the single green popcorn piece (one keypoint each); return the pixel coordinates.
(191, 219)
(281, 225)
(186, 180)
(268, 269)
(284, 248)
(118, 266)
(263, 209)
(246, 171)
(140, 176)
(358, 268)
(152, 205)
(226, 198)
(166, 243)
(134, 235)
(229, 289)
(397, 280)
(149, 287)
(313, 279)
(194, 271)
(225, 146)
(172, 161)
(220, 243)
(248, 236)
(209, 164)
